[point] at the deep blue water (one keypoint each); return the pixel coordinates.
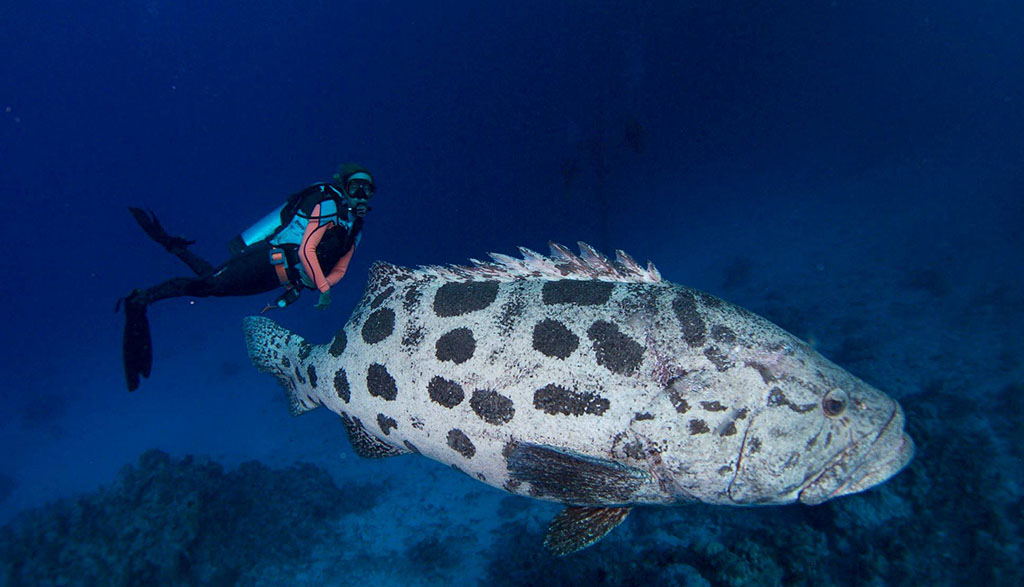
(854, 171)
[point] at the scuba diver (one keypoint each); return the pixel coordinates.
(316, 228)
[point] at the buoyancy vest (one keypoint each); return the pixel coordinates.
(287, 222)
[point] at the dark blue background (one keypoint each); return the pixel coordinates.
(794, 134)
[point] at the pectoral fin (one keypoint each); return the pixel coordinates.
(574, 478)
(576, 528)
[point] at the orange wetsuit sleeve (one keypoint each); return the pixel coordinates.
(307, 250)
(338, 271)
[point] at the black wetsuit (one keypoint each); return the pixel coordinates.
(247, 272)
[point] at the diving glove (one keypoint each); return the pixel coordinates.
(325, 300)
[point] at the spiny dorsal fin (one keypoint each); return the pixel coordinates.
(562, 264)
(576, 528)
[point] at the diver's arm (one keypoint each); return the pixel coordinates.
(307, 250)
(338, 271)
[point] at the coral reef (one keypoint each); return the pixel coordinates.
(173, 522)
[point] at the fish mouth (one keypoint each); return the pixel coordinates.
(885, 455)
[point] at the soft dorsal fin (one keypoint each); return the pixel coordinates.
(576, 528)
(365, 444)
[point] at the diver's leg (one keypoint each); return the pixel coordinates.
(137, 344)
(245, 274)
(176, 245)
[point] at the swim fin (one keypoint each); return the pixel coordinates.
(176, 245)
(137, 346)
(152, 227)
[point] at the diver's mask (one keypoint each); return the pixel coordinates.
(359, 189)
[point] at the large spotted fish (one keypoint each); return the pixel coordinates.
(592, 383)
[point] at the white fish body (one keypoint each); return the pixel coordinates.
(589, 382)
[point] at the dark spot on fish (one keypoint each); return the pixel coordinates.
(286, 362)
(614, 350)
(724, 470)
(643, 416)
(678, 402)
(634, 450)
(456, 299)
(766, 373)
(481, 477)
(574, 291)
(304, 350)
(413, 336)
(311, 373)
(755, 445)
(709, 300)
(639, 300)
(379, 298)
(447, 393)
(341, 385)
(723, 334)
(416, 422)
(380, 383)
(730, 429)
(298, 375)
(802, 408)
(492, 407)
(699, 427)
(776, 398)
(386, 424)
(412, 299)
(338, 344)
(714, 406)
(458, 468)
(512, 309)
(717, 358)
(554, 339)
(455, 345)
(511, 485)
(410, 446)
(813, 440)
(685, 308)
(461, 443)
(828, 440)
(741, 414)
(379, 325)
(554, 399)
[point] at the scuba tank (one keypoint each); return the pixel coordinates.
(264, 228)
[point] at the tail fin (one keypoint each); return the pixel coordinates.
(276, 350)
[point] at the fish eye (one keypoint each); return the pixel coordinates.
(834, 403)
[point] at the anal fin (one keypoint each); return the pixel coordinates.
(365, 444)
(576, 528)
